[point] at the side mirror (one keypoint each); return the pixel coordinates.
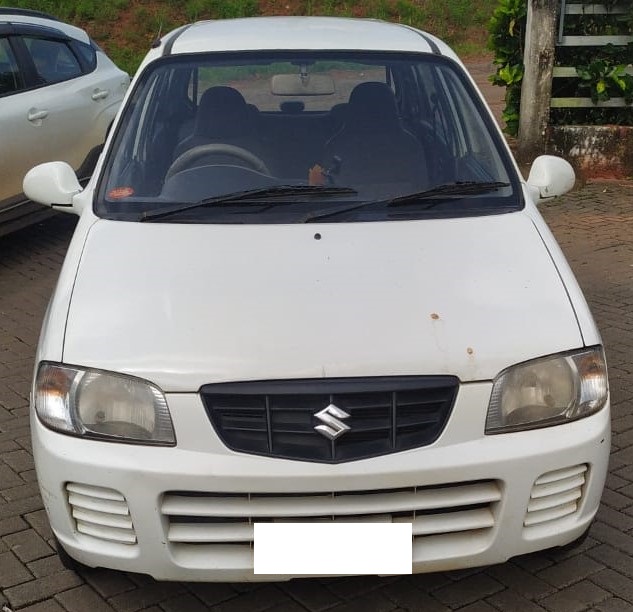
(53, 184)
(551, 176)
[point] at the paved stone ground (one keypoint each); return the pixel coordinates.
(593, 226)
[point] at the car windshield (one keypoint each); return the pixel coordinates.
(280, 137)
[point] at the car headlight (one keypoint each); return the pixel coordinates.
(548, 391)
(105, 405)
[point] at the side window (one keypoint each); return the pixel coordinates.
(87, 53)
(54, 61)
(10, 81)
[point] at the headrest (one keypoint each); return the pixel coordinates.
(372, 102)
(221, 111)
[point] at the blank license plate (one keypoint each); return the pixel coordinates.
(332, 548)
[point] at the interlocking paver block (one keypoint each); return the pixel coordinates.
(579, 596)
(21, 492)
(83, 599)
(616, 583)
(212, 593)
(614, 559)
(468, 590)
(20, 507)
(12, 572)
(46, 566)
(27, 545)
(511, 601)
(41, 588)
(287, 606)
(613, 604)
(615, 537)
(50, 605)
(345, 588)
(9, 478)
(184, 603)
(145, 596)
(520, 581)
(408, 597)
(618, 520)
(257, 600)
(11, 525)
(312, 594)
(570, 570)
(39, 522)
(108, 583)
(18, 461)
(479, 606)
(376, 602)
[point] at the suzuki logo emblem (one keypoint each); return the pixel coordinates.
(332, 427)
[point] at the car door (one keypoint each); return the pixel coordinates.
(15, 142)
(62, 112)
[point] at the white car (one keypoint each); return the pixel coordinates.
(58, 96)
(308, 284)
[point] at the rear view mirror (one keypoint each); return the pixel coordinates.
(302, 85)
(551, 176)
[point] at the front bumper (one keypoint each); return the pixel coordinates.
(186, 513)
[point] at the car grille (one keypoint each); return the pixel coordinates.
(100, 513)
(279, 418)
(556, 495)
(463, 510)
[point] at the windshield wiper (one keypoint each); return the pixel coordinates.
(249, 195)
(459, 188)
(449, 189)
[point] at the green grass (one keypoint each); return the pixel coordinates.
(126, 29)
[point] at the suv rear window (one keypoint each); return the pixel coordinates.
(54, 61)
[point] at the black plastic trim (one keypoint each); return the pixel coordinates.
(429, 41)
(176, 35)
(27, 13)
(330, 385)
(392, 430)
(39, 31)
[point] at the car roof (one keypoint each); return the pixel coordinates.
(28, 17)
(307, 33)
(5, 10)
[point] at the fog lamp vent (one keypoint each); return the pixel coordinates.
(556, 495)
(100, 513)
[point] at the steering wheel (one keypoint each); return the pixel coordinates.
(196, 153)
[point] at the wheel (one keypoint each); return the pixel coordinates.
(192, 155)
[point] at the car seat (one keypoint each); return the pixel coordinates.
(375, 151)
(222, 117)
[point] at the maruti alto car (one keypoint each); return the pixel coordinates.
(309, 283)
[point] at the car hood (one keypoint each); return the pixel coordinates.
(184, 305)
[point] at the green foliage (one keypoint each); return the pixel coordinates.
(507, 32)
(605, 78)
(126, 29)
(602, 71)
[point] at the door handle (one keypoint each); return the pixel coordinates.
(36, 115)
(100, 94)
